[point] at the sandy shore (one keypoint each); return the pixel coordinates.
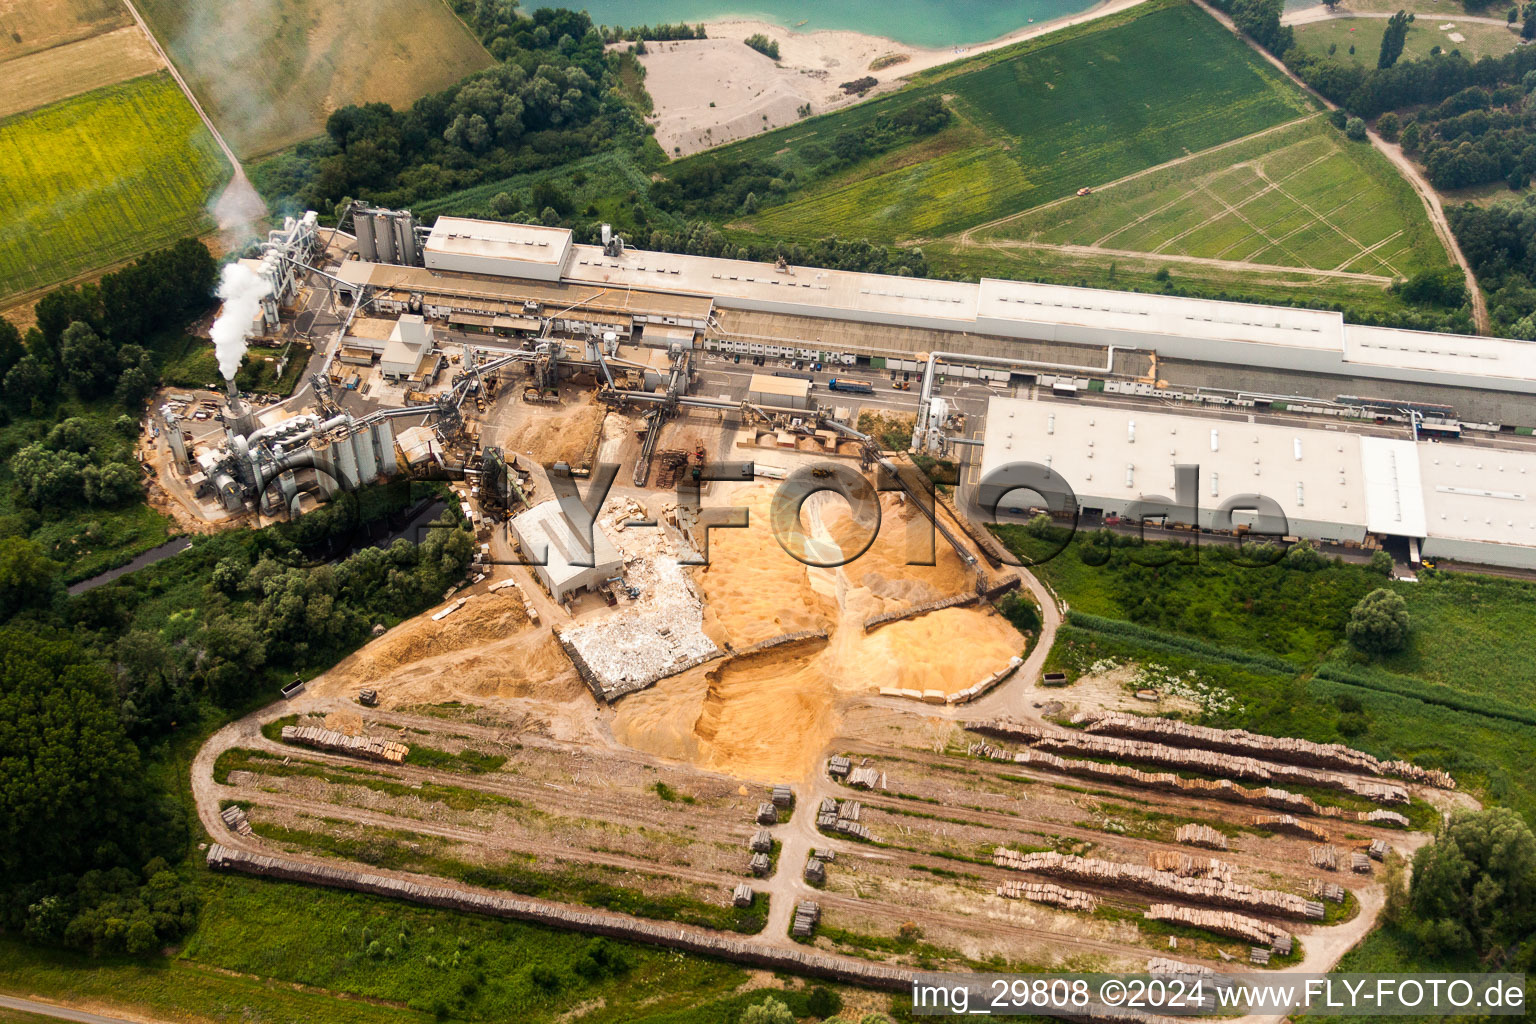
(708, 92)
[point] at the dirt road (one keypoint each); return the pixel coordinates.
(68, 1013)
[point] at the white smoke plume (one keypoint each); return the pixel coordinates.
(242, 291)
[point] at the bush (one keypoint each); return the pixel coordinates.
(762, 44)
(1379, 623)
(1354, 128)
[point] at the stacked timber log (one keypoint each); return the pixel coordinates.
(742, 895)
(1241, 741)
(1386, 818)
(1331, 891)
(1162, 883)
(340, 743)
(1210, 762)
(807, 914)
(865, 778)
(1046, 892)
(1325, 857)
(1218, 789)
(1222, 922)
(1163, 965)
(1185, 866)
(1288, 823)
(1200, 835)
(1378, 849)
(235, 820)
(1360, 863)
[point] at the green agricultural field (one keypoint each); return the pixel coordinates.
(1364, 34)
(269, 73)
(1068, 110)
(1298, 196)
(99, 178)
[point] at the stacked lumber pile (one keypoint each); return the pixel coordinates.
(1207, 761)
(807, 914)
(340, 743)
(1221, 922)
(1360, 863)
(1112, 874)
(1200, 835)
(235, 821)
(1241, 741)
(1185, 866)
(1325, 857)
(1217, 789)
(1331, 891)
(1378, 849)
(1046, 892)
(1288, 823)
(842, 818)
(742, 895)
(865, 778)
(1163, 965)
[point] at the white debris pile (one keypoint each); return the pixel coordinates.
(655, 635)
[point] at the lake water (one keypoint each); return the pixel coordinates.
(931, 23)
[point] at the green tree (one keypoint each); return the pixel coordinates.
(1410, 136)
(69, 778)
(89, 362)
(1392, 39)
(769, 1011)
(1379, 622)
(762, 44)
(1354, 129)
(27, 381)
(28, 578)
(1474, 887)
(1388, 125)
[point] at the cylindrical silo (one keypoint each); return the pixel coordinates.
(362, 224)
(384, 237)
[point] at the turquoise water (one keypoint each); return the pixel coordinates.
(932, 23)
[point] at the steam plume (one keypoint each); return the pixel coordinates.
(242, 291)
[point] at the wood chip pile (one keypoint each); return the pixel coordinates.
(1112, 874)
(1200, 835)
(1046, 892)
(1207, 761)
(340, 743)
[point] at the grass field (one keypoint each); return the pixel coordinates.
(30, 26)
(1364, 34)
(99, 178)
(269, 72)
(1300, 196)
(1063, 112)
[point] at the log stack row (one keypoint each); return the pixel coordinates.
(340, 743)
(1113, 874)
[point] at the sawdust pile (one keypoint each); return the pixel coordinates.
(556, 435)
(770, 716)
(488, 648)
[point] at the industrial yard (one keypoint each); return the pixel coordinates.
(803, 735)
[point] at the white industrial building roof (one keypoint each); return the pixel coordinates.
(493, 239)
(1127, 455)
(545, 524)
(1481, 497)
(785, 387)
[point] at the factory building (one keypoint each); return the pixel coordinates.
(408, 354)
(1230, 333)
(1450, 500)
(543, 533)
(779, 392)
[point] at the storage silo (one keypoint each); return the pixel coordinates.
(384, 447)
(362, 449)
(384, 237)
(405, 239)
(362, 225)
